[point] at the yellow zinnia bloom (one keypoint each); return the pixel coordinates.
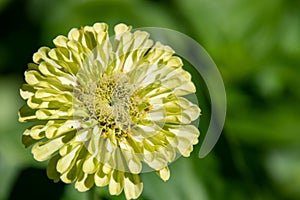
(104, 108)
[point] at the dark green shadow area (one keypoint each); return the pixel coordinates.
(33, 183)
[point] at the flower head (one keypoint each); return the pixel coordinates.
(104, 108)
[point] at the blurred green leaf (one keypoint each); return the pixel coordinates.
(13, 155)
(3, 3)
(284, 170)
(71, 193)
(183, 184)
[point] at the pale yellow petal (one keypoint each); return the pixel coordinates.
(44, 150)
(68, 160)
(101, 178)
(60, 41)
(90, 165)
(116, 182)
(133, 186)
(164, 173)
(85, 183)
(51, 168)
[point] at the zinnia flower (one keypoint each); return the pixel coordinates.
(103, 109)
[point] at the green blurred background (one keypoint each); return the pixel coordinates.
(256, 46)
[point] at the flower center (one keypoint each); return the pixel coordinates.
(113, 102)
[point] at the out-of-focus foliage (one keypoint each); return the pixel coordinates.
(256, 46)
